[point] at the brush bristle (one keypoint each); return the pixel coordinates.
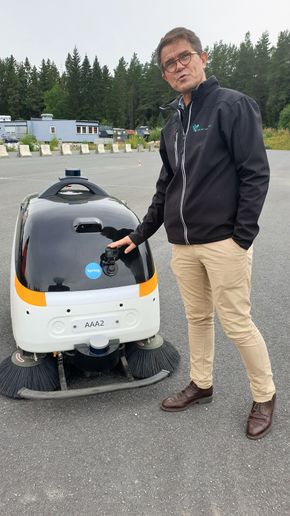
(40, 377)
(144, 363)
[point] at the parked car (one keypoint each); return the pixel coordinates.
(9, 138)
(119, 134)
(143, 130)
(106, 131)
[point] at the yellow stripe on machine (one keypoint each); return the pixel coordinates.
(31, 297)
(148, 286)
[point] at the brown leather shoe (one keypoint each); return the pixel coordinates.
(190, 395)
(260, 419)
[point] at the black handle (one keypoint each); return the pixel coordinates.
(87, 225)
(108, 261)
(54, 189)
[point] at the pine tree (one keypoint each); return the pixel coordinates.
(134, 88)
(55, 101)
(222, 63)
(106, 102)
(262, 63)
(244, 74)
(119, 95)
(86, 101)
(11, 88)
(279, 78)
(3, 98)
(97, 95)
(156, 93)
(34, 96)
(24, 72)
(48, 77)
(73, 85)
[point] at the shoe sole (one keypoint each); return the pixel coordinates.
(259, 436)
(200, 401)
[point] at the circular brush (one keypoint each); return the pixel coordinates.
(149, 357)
(20, 370)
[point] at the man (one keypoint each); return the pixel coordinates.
(209, 195)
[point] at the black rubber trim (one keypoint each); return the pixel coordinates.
(54, 189)
(88, 391)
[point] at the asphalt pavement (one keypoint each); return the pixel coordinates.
(118, 453)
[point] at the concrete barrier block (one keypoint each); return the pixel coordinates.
(128, 147)
(65, 149)
(100, 149)
(140, 147)
(24, 151)
(151, 146)
(3, 151)
(84, 148)
(115, 147)
(44, 150)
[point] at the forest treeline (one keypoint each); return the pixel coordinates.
(132, 94)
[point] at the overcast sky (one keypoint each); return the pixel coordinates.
(115, 28)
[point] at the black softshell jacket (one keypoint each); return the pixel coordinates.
(215, 171)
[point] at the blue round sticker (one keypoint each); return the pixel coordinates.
(93, 270)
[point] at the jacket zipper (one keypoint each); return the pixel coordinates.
(176, 149)
(184, 134)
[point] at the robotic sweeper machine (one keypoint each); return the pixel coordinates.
(77, 304)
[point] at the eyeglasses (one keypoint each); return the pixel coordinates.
(184, 59)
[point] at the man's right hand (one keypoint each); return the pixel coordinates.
(126, 241)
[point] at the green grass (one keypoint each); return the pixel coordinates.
(136, 140)
(30, 140)
(277, 139)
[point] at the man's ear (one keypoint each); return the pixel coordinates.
(204, 58)
(164, 76)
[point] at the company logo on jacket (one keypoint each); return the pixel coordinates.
(197, 128)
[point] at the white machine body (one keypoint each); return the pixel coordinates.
(70, 318)
(64, 289)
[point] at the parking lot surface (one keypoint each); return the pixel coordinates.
(118, 453)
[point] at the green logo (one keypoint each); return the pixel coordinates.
(197, 128)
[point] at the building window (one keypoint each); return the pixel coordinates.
(93, 129)
(81, 129)
(52, 129)
(10, 129)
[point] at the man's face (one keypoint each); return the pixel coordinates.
(185, 77)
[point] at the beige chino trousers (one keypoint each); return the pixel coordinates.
(218, 276)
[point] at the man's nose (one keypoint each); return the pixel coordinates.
(179, 66)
